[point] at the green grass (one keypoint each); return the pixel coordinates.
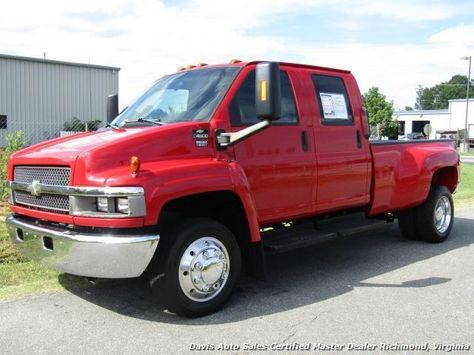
(469, 154)
(464, 195)
(29, 277)
(20, 277)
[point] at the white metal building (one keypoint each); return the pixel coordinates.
(38, 96)
(451, 119)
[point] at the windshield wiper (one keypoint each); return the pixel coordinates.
(108, 124)
(141, 119)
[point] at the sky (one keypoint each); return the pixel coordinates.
(394, 45)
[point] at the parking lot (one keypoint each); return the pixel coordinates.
(356, 294)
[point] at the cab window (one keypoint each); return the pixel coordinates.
(332, 100)
(242, 107)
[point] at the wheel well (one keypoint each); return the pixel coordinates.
(224, 207)
(447, 176)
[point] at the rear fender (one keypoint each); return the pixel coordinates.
(403, 174)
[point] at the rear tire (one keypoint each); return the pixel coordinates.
(434, 218)
(195, 270)
(406, 223)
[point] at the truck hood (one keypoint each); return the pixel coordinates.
(112, 148)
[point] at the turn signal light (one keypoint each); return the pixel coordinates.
(263, 90)
(134, 165)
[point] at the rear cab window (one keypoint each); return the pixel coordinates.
(332, 99)
(242, 106)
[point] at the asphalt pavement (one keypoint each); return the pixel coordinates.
(375, 291)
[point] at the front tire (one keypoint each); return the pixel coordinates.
(434, 218)
(196, 268)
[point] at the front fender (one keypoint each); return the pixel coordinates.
(171, 180)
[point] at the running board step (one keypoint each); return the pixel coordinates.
(304, 235)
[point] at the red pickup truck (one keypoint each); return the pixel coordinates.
(212, 167)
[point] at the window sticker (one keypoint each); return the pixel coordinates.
(334, 106)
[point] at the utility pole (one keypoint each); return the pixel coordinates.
(466, 128)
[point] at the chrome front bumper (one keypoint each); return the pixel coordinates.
(84, 254)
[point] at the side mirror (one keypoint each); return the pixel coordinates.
(267, 91)
(112, 107)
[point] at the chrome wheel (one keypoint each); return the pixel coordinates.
(204, 269)
(442, 214)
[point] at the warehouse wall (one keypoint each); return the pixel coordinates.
(39, 96)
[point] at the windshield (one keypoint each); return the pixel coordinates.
(186, 96)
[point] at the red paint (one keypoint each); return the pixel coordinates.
(269, 172)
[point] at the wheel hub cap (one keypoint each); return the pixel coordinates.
(204, 269)
(442, 214)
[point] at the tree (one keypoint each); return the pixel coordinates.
(380, 112)
(438, 96)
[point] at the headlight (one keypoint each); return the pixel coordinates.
(127, 202)
(102, 204)
(122, 205)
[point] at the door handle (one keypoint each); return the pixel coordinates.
(359, 139)
(304, 141)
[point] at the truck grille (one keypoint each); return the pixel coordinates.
(58, 176)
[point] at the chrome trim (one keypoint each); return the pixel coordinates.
(107, 191)
(84, 254)
(225, 139)
(43, 167)
(86, 207)
(442, 214)
(204, 269)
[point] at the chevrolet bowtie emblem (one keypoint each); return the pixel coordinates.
(35, 188)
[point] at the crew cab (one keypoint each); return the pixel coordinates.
(214, 166)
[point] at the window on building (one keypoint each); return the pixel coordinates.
(332, 99)
(242, 107)
(3, 121)
(418, 126)
(401, 128)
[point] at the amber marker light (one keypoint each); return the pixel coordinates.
(263, 90)
(134, 165)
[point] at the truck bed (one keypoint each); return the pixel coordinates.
(402, 171)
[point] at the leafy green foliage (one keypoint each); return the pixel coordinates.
(437, 97)
(380, 112)
(15, 141)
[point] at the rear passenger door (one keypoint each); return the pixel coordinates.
(277, 161)
(343, 154)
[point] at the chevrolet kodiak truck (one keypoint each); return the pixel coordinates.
(214, 166)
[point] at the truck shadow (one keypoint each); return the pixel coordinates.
(295, 279)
